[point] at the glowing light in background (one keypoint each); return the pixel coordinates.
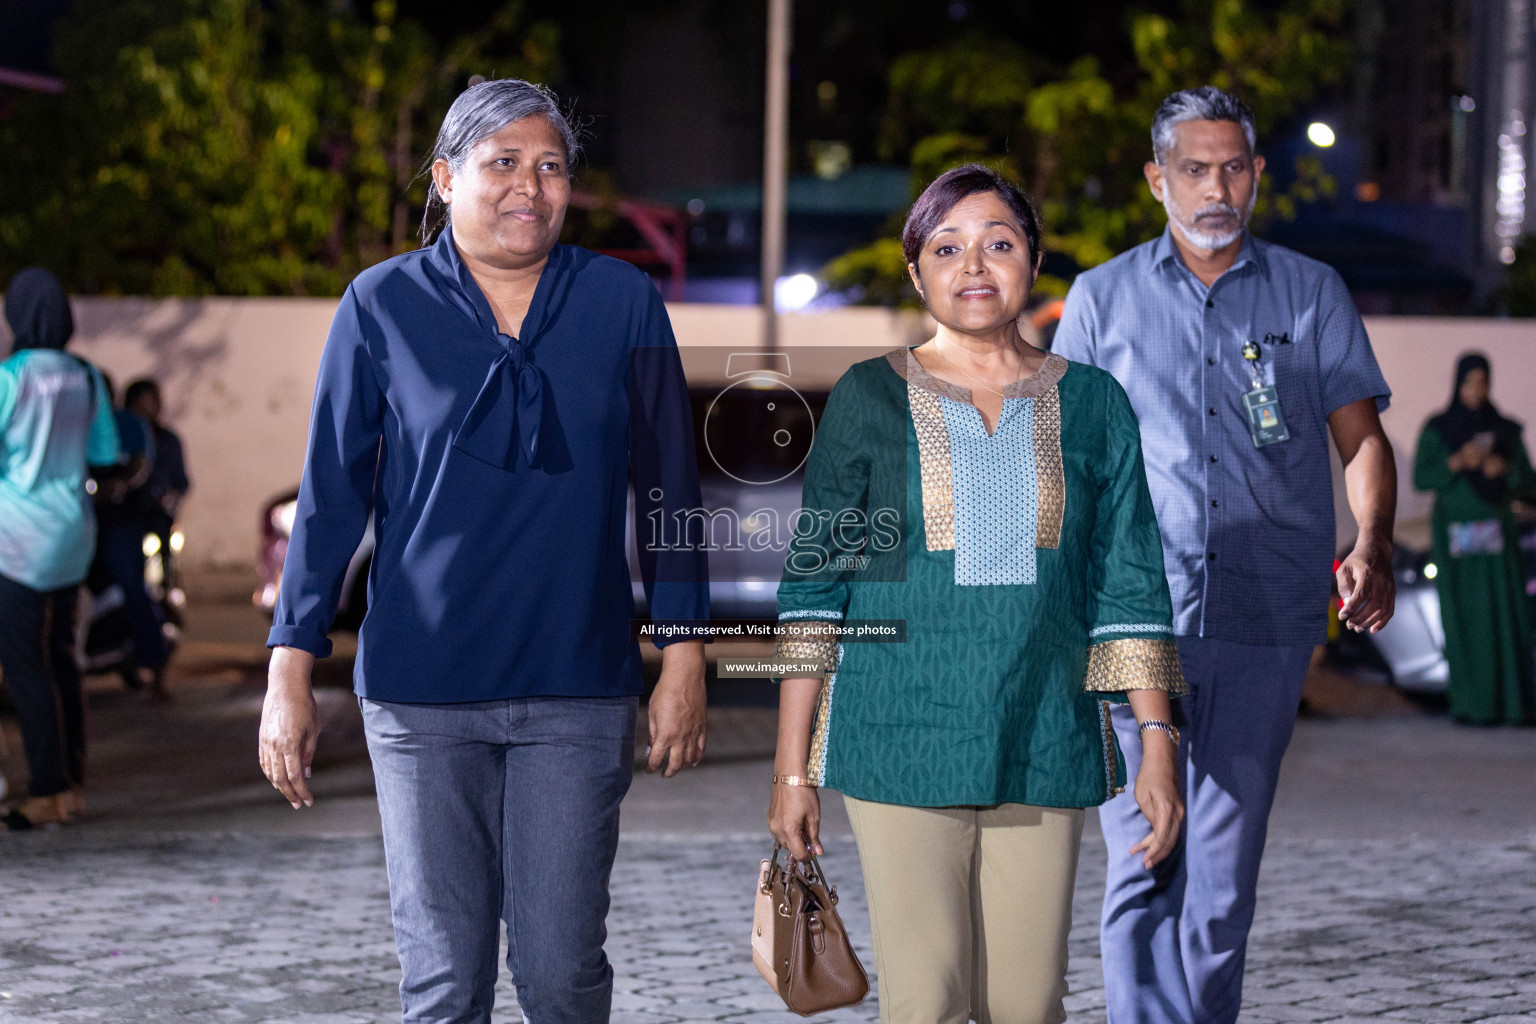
(1431, 571)
(1511, 187)
(283, 517)
(794, 292)
(1321, 134)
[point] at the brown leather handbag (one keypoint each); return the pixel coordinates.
(799, 944)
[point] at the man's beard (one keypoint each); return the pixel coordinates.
(1189, 226)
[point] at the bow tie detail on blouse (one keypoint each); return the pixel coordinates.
(507, 412)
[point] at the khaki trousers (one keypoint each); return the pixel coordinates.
(970, 908)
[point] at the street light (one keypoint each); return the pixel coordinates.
(1320, 134)
(775, 164)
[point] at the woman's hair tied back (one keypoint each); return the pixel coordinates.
(481, 111)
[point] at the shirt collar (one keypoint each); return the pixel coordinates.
(1165, 251)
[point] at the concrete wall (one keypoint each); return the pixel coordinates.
(238, 375)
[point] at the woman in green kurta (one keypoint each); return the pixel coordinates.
(1474, 461)
(991, 499)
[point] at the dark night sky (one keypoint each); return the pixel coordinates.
(24, 32)
(671, 90)
(611, 48)
(849, 42)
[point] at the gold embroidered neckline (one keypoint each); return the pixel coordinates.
(1036, 384)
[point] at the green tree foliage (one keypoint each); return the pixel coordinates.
(236, 147)
(1076, 138)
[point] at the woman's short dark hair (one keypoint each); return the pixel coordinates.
(946, 192)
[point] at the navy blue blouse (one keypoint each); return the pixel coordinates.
(496, 469)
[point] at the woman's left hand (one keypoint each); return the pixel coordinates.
(1157, 794)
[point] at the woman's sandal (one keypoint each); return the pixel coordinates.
(37, 812)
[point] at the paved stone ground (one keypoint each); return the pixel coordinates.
(127, 927)
(1400, 886)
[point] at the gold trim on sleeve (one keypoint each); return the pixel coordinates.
(809, 642)
(1049, 472)
(1120, 665)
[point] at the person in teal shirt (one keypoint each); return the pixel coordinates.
(991, 499)
(55, 422)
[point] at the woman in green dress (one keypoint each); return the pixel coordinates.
(991, 500)
(1475, 462)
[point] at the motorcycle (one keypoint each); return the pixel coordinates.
(105, 642)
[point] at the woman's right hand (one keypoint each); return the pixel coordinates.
(794, 818)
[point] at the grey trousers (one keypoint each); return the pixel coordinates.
(502, 811)
(1174, 939)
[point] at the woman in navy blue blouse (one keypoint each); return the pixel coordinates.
(487, 399)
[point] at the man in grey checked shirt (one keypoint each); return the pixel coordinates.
(1240, 358)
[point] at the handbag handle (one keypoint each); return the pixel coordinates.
(811, 872)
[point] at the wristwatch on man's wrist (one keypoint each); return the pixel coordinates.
(1162, 727)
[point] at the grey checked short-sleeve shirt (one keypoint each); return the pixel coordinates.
(1248, 537)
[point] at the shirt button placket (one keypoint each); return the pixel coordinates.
(1212, 432)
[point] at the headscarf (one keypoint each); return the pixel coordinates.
(37, 309)
(1459, 424)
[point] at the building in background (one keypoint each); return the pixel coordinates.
(1500, 151)
(1431, 155)
(1397, 137)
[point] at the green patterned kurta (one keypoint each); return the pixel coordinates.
(1026, 565)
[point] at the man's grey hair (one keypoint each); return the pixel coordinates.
(481, 111)
(1206, 103)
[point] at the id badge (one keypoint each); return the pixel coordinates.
(1265, 420)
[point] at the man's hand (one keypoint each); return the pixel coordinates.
(676, 710)
(1367, 587)
(1495, 466)
(289, 726)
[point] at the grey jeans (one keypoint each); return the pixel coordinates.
(502, 811)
